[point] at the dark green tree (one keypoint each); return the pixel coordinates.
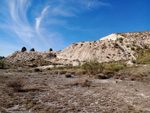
(32, 49)
(23, 49)
(50, 49)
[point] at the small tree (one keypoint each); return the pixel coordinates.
(50, 49)
(32, 49)
(23, 49)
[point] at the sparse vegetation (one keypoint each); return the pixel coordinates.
(27, 89)
(143, 59)
(145, 46)
(134, 44)
(37, 70)
(32, 49)
(50, 49)
(93, 67)
(62, 72)
(68, 75)
(132, 48)
(114, 67)
(68, 67)
(16, 84)
(2, 64)
(116, 45)
(127, 45)
(120, 39)
(138, 48)
(104, 46)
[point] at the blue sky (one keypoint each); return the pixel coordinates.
(44, 24)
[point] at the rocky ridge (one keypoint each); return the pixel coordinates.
(117, 46)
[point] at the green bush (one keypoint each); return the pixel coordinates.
(114, 67)
(132, 48)
(2, 64)
(143, 59)
(23, 49)
(93, 67)
(120, 39)
(68, 67)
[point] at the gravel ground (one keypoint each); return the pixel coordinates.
(47, 92)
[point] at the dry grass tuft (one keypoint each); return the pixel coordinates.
(16, 84)
(81, 72)
(62, 72)
(93, 67)
(31, 89)
(68, 75)
(86, 83)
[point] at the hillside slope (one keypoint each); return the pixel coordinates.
(114, 47)
(117, 46)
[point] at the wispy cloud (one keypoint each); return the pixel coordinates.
(70, 8)
(32, 28)
(39, 19)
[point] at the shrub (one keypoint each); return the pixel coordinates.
(116, 45)
(50, 49)
(93, 67)
(2, 64)
(143, 59)
(36, 70)
(138, 48)
(104, 46)
(127, 45)
(23, 49)
(62, 72)
(86, 83)
(32, 49)
(114, 67)
(16, 84)
(68, 75)
(145, 46)
(132, 48)
(120, 39)
(80, 72)
(133, 43)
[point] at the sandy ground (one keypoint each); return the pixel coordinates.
(76, 94)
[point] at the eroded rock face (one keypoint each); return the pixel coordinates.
(114, 47)
(30, 56)
(117, 46)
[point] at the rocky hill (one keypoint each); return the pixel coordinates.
(29, 56)
(117, 46)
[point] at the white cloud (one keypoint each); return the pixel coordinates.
(39, 19)
(61, 12)
(71, 8)
(37, 34)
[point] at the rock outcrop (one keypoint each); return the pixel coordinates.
(114, 47)
(117, 46)
(29, 56)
